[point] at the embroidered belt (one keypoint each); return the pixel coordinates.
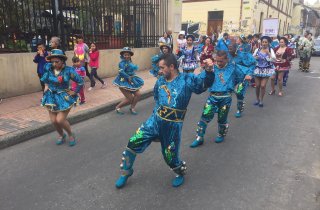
(58, 91)
(221, 94)
(171, 114)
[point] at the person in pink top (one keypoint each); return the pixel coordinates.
(81, 71)
(94, 65)
(81, 50)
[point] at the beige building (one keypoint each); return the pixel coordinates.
(305, 18)
(236, 16)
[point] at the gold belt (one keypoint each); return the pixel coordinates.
(171, 114)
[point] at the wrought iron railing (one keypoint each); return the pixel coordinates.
(108, 23)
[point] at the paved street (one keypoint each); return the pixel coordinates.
(270, 160)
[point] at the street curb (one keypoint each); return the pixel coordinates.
(39, 130)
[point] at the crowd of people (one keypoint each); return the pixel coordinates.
(228, 65)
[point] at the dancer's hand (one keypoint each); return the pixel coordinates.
(71, 93)
(248, 77)
(208, 64)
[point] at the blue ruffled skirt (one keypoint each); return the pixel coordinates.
(136, 83)
(57, 101)
(189, 65)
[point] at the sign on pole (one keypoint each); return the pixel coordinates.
(270, 27)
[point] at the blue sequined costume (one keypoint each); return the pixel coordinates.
(165, 124)
(127, 70)
(57, 99)
(189, 59)
(245, 64)
(154, 63)
(219, 102)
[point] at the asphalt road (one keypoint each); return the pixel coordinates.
(270, 160)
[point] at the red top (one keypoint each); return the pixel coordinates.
(94, 59)
(206, 54)
(286, 56)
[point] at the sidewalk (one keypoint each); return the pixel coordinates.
(22, 117)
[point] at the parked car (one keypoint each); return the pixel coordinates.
(316, 47)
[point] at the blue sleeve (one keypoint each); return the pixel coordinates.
(122, 70)
(155, 68)
(36, 58)
(250, 63)
(199, 83)
(76, 78)
(45, 77)
(156, 94)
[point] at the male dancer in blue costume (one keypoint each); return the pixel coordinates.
(172, 93)
(220, 98)
(245, 63)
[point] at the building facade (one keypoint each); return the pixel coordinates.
(237, 17)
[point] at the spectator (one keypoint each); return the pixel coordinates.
(82, 73)
(94, 65)
(165, 40)
(81, 50)
(40, 59)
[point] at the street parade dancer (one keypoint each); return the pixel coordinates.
(172, 93)
(57, 96)
(128, 82)
(219, 100)
(243, 45)
(265, 57)
(164, 49)
(245, 63)
(206, 51)
(282, 64)
(305, 51)
(189, 56)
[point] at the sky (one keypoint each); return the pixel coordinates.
(310, 1)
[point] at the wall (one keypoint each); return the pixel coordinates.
(198, 12)
(18, 72)
(270, 12)
(296, 20)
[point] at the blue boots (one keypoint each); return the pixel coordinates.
(177, 181)
(180, 171)
(126, 167)
(201, 130)
(199, 141)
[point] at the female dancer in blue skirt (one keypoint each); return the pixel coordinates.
(57, 96)
(128, 82)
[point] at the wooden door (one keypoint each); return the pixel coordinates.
(214, 26)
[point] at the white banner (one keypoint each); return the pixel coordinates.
(270, 27)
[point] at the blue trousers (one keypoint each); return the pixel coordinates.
(215, 104)
(169, 134)
(240, 93)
